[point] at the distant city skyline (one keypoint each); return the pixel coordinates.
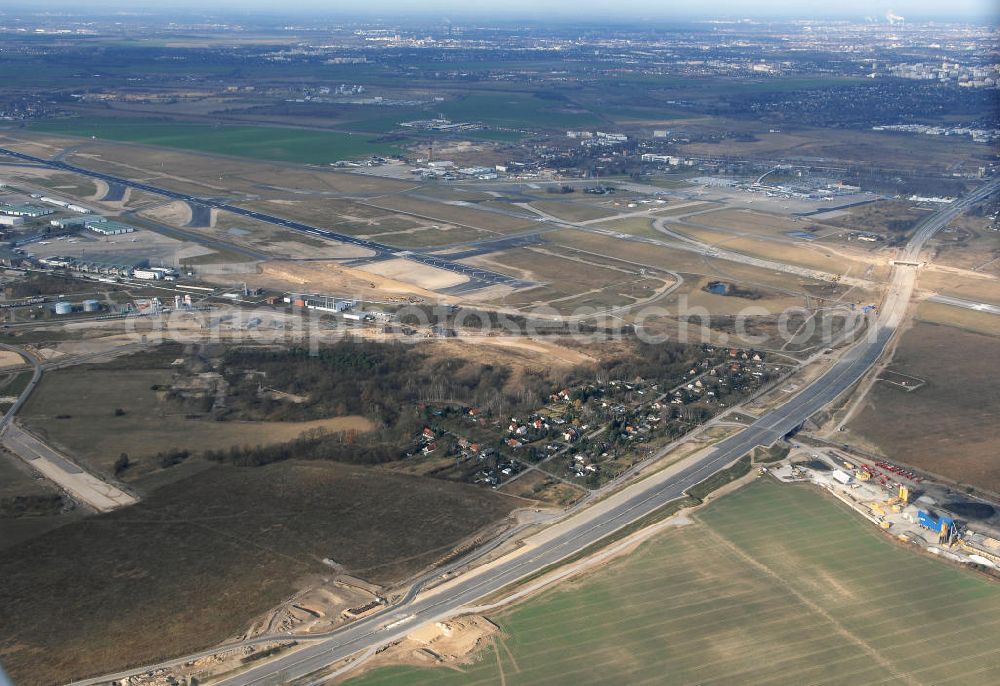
(528, 9)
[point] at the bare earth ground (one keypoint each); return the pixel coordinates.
(329, 277)
(10, 359)
(948, 426)
(200, 557)
(421, 275)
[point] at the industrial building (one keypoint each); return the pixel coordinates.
(92, 266)
(7, 220)
(155, 273)
(74, 222)
(109, 228)
(29, 211)
(322, 303)
(101, 225)
(62, 203)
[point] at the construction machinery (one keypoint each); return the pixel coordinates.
(945, 527)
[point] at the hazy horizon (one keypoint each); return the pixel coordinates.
(526, 9)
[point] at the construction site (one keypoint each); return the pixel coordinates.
(904, 504)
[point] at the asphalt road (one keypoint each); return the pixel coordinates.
(482, 276)
(586, 528)
(35, 378)
(589, 525)
(46, 461)
(472, 587)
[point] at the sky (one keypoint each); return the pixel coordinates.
(583, 9)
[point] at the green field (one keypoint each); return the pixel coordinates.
(772, 584)
(258, 142)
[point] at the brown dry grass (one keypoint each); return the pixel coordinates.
(959, 317)
(453, 214)
(960, 284)
(330, 277)
(948, 426)
(86, 400)
(200, 559)
(894, 151)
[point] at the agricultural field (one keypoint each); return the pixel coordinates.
(199, 559)
(258, 142)
(948, 425)
(770, 584)
(959, 317)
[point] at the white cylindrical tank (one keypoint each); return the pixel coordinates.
(64, 308)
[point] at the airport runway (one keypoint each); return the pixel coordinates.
(589, 525)
(967, 304)
(592, 524)
(483, 277)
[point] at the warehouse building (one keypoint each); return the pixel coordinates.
(29, 211)
(74, 222)
(323, 303)
(97, 266)
(155, 273)
(109, 228)
(101, 225)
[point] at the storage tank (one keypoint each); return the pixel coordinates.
(91, 306)
(64, 308)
